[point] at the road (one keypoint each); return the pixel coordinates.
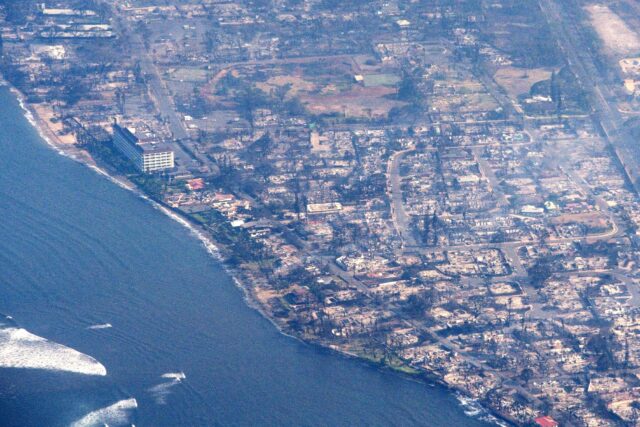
(559, 159)
(588, 76)
(159, 94)
(609, 118)
(487, 172)
(402, 220)
(399, 216)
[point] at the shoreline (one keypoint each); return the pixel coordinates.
(470, 406)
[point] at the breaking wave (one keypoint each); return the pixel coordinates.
(21, 349)
(472, 408)
(118, 414)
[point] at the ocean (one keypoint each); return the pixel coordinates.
(113, 313)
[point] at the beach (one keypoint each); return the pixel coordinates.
(242, 367)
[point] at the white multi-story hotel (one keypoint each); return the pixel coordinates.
(146, 157)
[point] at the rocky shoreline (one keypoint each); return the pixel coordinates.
(221, 253)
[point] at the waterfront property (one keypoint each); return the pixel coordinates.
(430, 192)
(146, 155)
(165, 317)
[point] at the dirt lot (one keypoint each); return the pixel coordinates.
(298, 85)
(614, 32)
(323, 85)
(591, 220)
(518, 81)
(357, 102)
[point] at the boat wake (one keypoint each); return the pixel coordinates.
(118, 414)
(21, 349)
(100, 326)
(178, 376)
(161, 391)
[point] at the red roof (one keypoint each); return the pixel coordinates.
(546, 421)
(196, 184)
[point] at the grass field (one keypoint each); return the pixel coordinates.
(372, 80)
(518, 81)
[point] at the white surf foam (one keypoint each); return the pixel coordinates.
(21, 349)
(206, 241)
(472, 408)
(161, 391)
(117, 414)
(32, 120)
(100, 326)
(208, 244)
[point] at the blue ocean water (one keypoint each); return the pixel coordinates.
(77, 251)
